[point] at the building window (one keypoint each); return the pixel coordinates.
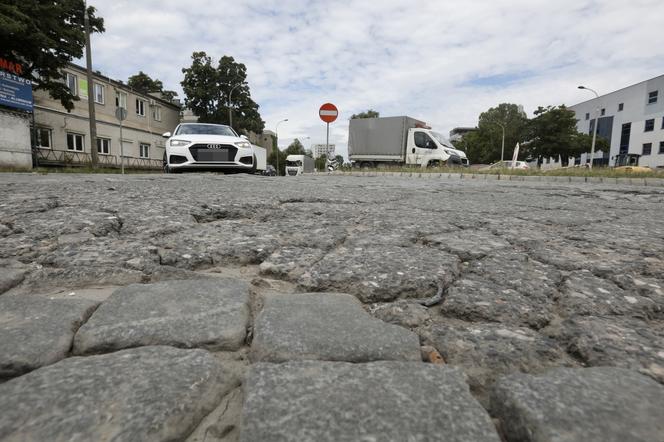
(662, 122)
(652, 97)
(72, 83)
(156, 113)
(140, 107)
(144, 150)
(44, 138)
(647, 149)
(602, 112)
(100, 94)
(661, 147)
(621, 106)
(121, 100)
(650, 125)
(75, 142)
(104, 146)
(587, 116)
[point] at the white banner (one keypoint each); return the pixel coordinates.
(515, 156)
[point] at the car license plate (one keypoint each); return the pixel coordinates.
(213, 155)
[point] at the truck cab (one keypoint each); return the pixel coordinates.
(299, 164)
(428, 148)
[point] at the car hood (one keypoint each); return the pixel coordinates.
(202, 138)
(460, 153)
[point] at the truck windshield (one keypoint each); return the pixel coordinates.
(205, 129)
(441, 139)
(293, 163)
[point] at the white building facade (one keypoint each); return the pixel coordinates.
(632, 119)
(318, 150)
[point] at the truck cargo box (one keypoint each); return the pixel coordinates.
(380, 137)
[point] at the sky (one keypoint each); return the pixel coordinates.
(440, 61)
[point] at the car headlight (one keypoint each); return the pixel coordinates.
(177, 143)
(243, 144)
(449, 152)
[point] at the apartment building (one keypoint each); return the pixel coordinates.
(64, 137)
(631, 119)
(319, 150)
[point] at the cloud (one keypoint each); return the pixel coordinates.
(442, 62)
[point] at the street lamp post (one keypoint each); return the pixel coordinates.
(230, 113)
(276, 135)
(592, 147)
(502, 150)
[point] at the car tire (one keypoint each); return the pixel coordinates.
(165, 166)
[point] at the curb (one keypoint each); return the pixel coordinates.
(647, 182)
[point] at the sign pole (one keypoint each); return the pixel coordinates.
(327, 144)
(328, 113)
(121, 150)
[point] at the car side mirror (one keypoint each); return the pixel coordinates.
(430, 145)
(166, 135)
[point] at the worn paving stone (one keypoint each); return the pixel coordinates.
(614, 341)
(487, 351)
(210, 313)
(518, 271)
(335, 401)
(591, 404)
(382, 273)
(146, 394)
(10, 277)
(472, 298)
(404, 313)
(37, 331)
(290, 262)
(329, 327)
(467, 244)
(583, 293)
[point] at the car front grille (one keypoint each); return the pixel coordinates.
(225, 153)
(292, 172)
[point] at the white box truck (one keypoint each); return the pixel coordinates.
(399, 141)
(260, 154)
(299, 164)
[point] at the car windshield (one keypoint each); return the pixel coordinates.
(293, 163)
(441, 139)
(205, 129)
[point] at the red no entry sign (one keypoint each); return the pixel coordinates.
(328, 112)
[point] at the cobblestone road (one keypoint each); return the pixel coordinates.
(209, 307)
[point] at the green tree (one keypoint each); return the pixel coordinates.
(280, 165)
(207, 89)
(143, 83)
(368, 114)
(553, 132)
(321, 163)
(339, 159)
(43, 37)
(485, 144)
(295, 148)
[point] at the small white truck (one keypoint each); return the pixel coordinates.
(299, 164)
(399, 141)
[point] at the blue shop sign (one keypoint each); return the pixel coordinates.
(15, 91)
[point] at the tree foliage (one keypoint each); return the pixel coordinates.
(553, 132)
(485, 144)
(144, 84)
(207, 89)
(295, 148)
(43, 37)
(368, 114)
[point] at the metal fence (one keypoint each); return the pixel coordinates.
(53, 157)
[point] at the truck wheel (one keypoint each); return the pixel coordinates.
(433, 164)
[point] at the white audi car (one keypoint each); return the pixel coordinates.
(199, 146)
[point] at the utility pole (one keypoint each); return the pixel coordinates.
(91, 101)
